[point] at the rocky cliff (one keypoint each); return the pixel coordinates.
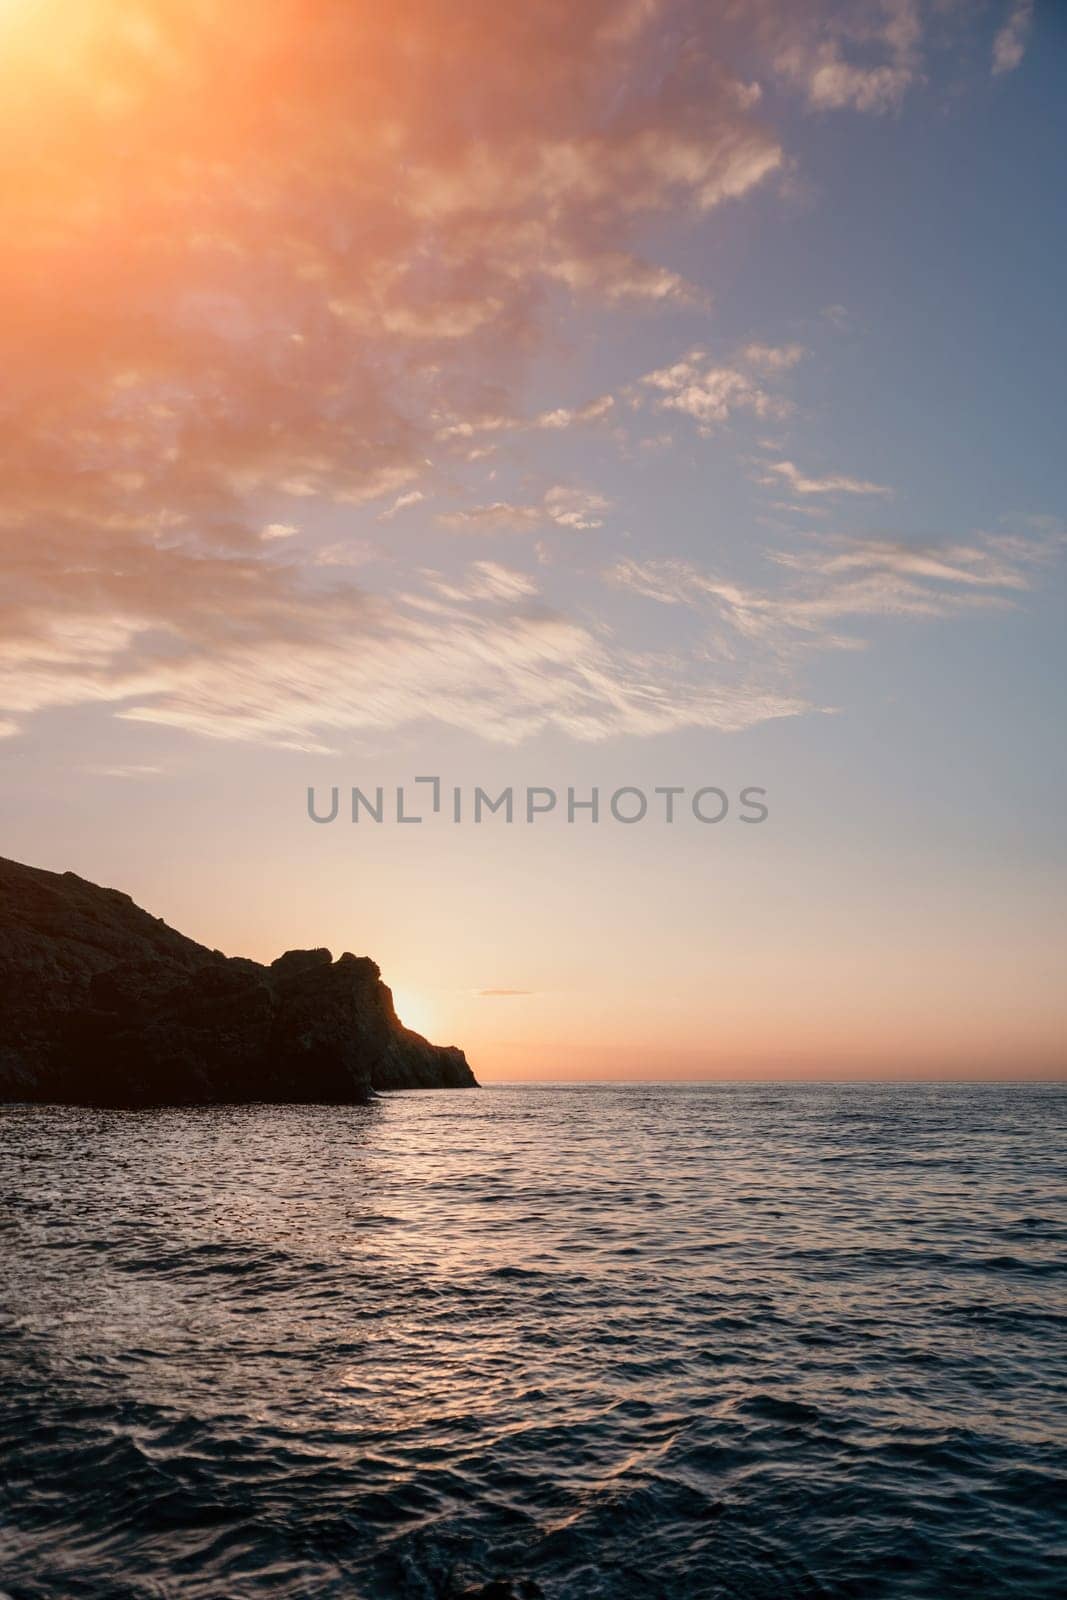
(101, 1003)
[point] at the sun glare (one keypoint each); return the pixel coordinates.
(414, 1011)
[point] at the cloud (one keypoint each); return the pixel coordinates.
(346, 553)
(839, 317)
(773, 358)
(480, 424)
(562, 417)
(1009, 46)
(505, 679)
(640, 167)
(813, 44)
(711, 392)
(837, 580)
(487, 580)
(620, 276)
(578, 509)
(500, 516)
(128, 771)
(255, 272)
(797, 510)
(833, 483)
(984, 565)
(218, 297)
(553, 421)
(402, 502)
(250, 652)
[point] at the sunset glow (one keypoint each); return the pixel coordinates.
(632, 394)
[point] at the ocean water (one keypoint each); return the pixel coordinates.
(588, 1341)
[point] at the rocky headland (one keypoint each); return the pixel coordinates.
(103, 1004)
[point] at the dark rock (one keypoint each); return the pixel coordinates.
(102, 1003)
(300, 961)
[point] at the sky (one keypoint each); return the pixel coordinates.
(636, 395)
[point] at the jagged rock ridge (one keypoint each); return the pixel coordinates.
(102, 1003)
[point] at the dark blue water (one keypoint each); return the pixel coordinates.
(587, 1341)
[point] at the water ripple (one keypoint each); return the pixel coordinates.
(539, 1343)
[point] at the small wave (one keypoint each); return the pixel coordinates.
(556, 1344)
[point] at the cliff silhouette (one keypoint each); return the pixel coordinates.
(103, 1004)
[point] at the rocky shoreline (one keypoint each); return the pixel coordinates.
(103, 1004)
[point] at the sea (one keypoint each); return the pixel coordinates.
(580, 1342)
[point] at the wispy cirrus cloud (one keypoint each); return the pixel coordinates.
(496, 516)
(560, 506)
(403, 502)
(836, 581)
(567, 417)
(1009, 46)
(554, 420)
(131, 771)
(258, 655)
(991, 563)
(803, 483)
(258, 658)
(486, 580)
